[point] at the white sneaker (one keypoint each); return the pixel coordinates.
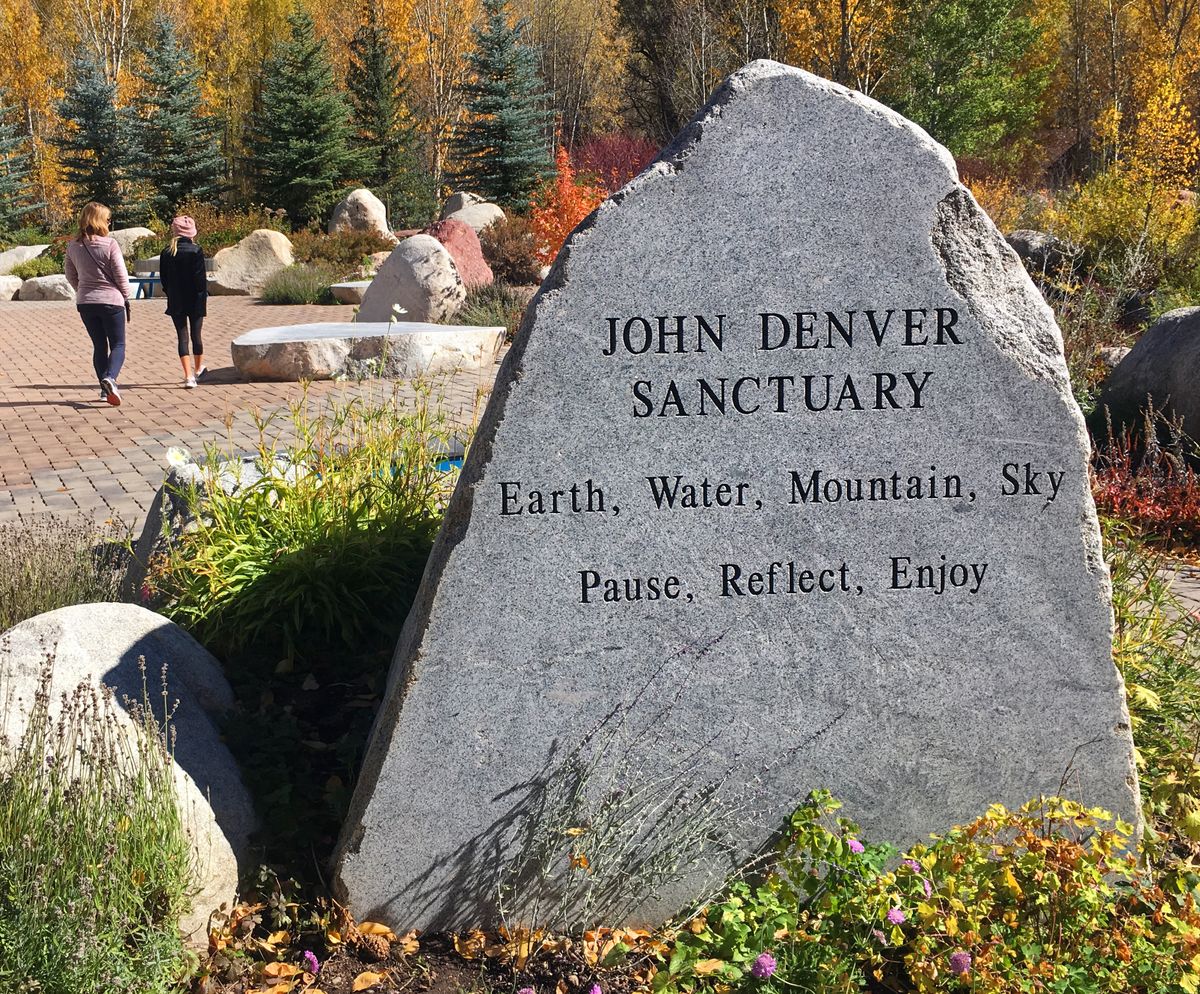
(189, 383)
(201, 371)
(114, 395)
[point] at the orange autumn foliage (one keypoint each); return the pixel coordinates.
(561, 205)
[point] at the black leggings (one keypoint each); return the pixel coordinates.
(181, 329)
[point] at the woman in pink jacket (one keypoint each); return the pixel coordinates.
(96, 269)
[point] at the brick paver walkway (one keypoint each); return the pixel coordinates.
(62, 449)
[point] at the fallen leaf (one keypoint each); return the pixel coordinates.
(367, 979)
(280, 938)
(409, 943)
(705, 967)
(375, 928)
(575, 832)
(277, 970)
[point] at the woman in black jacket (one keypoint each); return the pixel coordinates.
(185, 283)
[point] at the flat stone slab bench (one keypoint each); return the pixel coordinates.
(351, 292)
(396, 351)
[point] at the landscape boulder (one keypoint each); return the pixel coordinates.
(1041, 251)
(127, 237)
(349, 292)
(20, 253)
(372, 262)
(244, 268)
(96, 644)
(361, 211)
(457, 201)
(53, 287)
(478, 216)
(1162, 367)
(9, 285)
(462, 242)
(419, 276)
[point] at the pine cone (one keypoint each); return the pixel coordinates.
(372, 948)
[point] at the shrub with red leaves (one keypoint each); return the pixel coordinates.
(614, 159)
(560, 205)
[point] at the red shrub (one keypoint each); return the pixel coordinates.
(614, 159)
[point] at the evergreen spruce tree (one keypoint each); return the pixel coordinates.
(93, 156)
(387, 140)
(300, 141)
(16, 199)
(502, 149)
(176, 153)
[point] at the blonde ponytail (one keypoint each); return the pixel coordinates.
(174, 246)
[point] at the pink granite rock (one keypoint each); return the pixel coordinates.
(462, 243)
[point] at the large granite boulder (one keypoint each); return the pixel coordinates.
(462, 242)
(786, 466)
(457, 201)
(53, 287)
(9, 286)
(15, 256)
(126, 238)
(96, 644)
(361, 210)
(420, 277)
(1163, 367)
(243, 269)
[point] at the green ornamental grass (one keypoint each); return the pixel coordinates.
(95, 866)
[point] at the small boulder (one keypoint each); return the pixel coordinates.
(46, 288)
(1163, 366)
(361, 211)
(421, 277)
(15, 256)
(96, 644)
(462, 243)
(1041, 251)
(350, 292)
(1111, 356)
(9, 285)
(243, 269)
(372, 262)
(126, 237)
(478, 216)
(457, 202)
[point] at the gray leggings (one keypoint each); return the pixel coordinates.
(181, 330)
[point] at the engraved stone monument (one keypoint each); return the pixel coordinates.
(788, 408)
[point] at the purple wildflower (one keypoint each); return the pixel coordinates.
(595, 989)
(913, 865)
(763, 966)
(311, 963)
(896, 916)
(526, 990)
(928, 886)
(879, 936)
(146, 593)
(960, 963)
(856, 847)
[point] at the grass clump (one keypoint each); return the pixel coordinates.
(495, 305)
(41, 266)
(300, 284)
(329, 545)
(53, 562)
(95, 867)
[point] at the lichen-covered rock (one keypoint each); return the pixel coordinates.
(421, 278)
(96, 644)
(243, 269)
(462, 243)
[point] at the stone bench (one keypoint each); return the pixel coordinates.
(396, 351)
(350, 292)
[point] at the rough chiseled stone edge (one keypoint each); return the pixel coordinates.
(672, 159)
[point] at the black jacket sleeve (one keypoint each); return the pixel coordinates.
(199, 275)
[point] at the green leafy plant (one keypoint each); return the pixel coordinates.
(342, 252)
(300, 285)
(95, 866)
(43, 265)
(51, 562)
(1048, 898)
(330, 543)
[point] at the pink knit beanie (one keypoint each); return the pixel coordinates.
(183, 227)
